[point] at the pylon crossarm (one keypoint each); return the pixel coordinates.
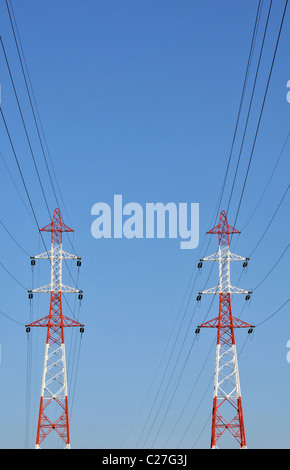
(229, 256)
(220, 289)
(211, 291)
(69, 290)
(68, 322)
(62, 254)
(210, 324)
(66, 255)
(45, 255)
(48, 288)
(213, 257)
(44, 322)
(56, 226)
(214, 323)
(240, 323)
(234, 257)
(41, 322)
(43, 290)
(237, 290)
(223, 228)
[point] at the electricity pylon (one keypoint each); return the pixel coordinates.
(53, 409)
(227, 413)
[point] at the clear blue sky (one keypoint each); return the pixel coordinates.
(140, 98)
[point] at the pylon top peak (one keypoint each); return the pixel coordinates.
(56, 227)
(223, 229)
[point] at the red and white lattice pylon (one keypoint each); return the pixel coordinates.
(227, 413)
(53, 409)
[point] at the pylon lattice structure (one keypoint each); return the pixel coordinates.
(227, 413)
(53, 409)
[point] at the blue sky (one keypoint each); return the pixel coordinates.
(140, 98)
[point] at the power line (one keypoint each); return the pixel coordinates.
(175, 389)
(173, 348)
(35, 111)
(15, 185)
(268, 182)
(24, 125)
(270, 222)
(250, 107)
(13, 277)
(10, 318)
(216, 212)
(35, 121)
(28, 139)
(182, 370)
(190, 395)
(11, 236)
(273, 267)
(168, 383)
(254, 86)
(261, 113)
(21, 174)
(26, 190)
(168, 363)
(27, 88)
(274, 313)
(257, 19)
(34, 161)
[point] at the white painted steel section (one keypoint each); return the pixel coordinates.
(56, 255)
(64, 370)
(215, 388)
(224, 257)
(44, 369)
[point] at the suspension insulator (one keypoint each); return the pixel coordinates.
(245, 264)
(80, 296)
(82, 329)
(198, 298)
(79, 263)
(197, 330)
(199, 265)
(32, 262)
(30, 295)
(27, 329)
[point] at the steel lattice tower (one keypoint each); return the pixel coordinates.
(227, 413)
(53, 409)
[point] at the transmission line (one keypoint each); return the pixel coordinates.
(271, 220)
(24, 125)
(219, 200)
(261, 112)
(250, 107)
(35, 111)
